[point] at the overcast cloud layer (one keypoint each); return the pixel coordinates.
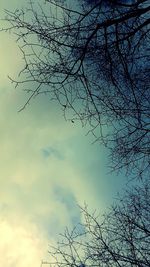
(47, 167)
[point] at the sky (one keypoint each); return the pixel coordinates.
(48, 167)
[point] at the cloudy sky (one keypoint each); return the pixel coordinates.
(47, 167)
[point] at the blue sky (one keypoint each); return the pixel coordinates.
(48, 166)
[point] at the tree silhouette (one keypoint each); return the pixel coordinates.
(120, 238)
(93, 59)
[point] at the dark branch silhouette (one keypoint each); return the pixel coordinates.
(94, 60)
(121, 238)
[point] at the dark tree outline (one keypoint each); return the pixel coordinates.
(119, 238)
(125, 105)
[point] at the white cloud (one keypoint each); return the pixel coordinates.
(30, 212)
(21, 244)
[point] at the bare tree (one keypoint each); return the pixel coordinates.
(92, 57)
(120, 239)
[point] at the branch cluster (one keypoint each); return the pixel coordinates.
(92, 59)
(120, 239)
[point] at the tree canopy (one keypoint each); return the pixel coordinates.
(93, 58)
(121, 238)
